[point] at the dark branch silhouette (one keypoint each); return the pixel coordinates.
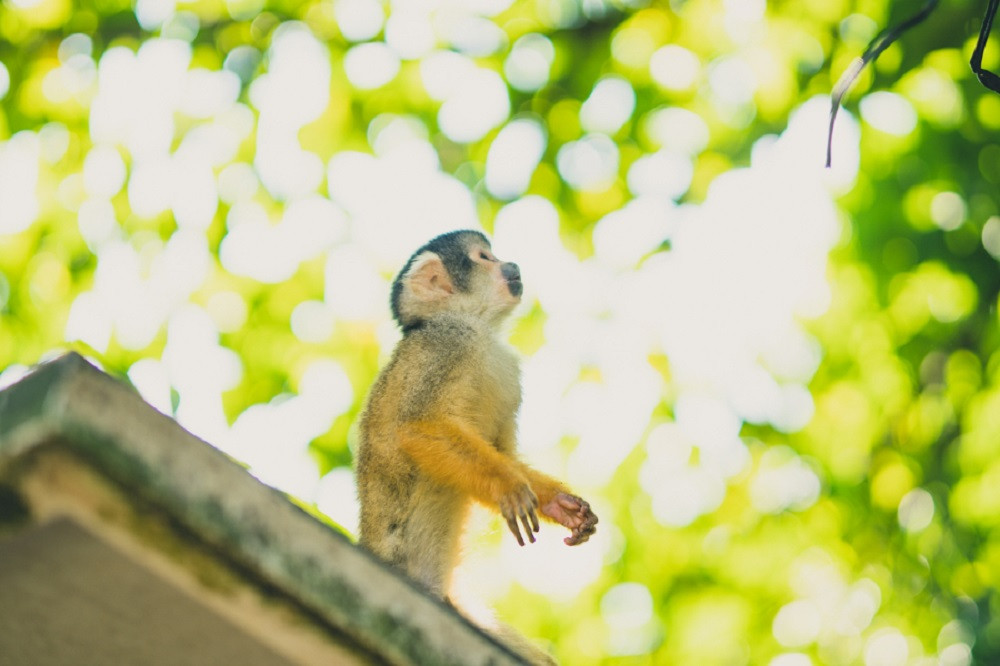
(881, 42)
(986, 77)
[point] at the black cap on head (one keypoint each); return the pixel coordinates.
(453, 248)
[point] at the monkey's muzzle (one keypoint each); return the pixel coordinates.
(512, 274)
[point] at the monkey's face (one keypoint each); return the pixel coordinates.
(491, 288)
(503, 276)
(456, 273)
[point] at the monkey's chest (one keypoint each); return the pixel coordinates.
(497, 392)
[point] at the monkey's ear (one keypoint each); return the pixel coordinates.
(426, 286)
(428, 279)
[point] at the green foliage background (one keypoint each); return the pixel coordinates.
(906, 395)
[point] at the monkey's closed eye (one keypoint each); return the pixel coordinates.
(484, 256)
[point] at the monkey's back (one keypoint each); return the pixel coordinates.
(406, 518)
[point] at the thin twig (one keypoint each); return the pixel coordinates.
(986, 77)
(881, 42)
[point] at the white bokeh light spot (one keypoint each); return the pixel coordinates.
(889, 113)
(589, 164)
(19, 157)
(409, 33)
(337, 497)
(609, 106)
(529, 62)
(677, 130)
(916, 510)
(371, 65)
(664, 173)
(674, 67)
(513, 157)
(886, 647)
(359, 20)
(797, 624)
(4, 80)
(480, 103)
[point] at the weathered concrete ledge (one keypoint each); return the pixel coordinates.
(80, 448)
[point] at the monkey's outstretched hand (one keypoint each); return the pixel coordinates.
(572, 512)
(521, 503)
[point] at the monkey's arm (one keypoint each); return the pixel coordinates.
(453, 454)
(545, 487)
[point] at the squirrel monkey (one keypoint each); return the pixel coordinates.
(439, 428)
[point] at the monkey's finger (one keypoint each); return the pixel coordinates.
(512, 524)
(534, 520)
(580, 520)
(577, 538)
(581, 534)
(527, 527)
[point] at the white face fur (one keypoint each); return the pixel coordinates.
(505, 288)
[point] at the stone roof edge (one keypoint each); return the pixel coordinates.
(107, 423)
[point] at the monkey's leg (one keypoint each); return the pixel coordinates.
(454, 454)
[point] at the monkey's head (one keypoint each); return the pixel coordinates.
(455, 272)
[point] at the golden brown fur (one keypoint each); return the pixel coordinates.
(439, 428)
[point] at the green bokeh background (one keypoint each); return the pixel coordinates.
(906, 395)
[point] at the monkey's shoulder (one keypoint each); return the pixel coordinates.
(447, 331)
(440, 345)
(426, 366)
(470, 345)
